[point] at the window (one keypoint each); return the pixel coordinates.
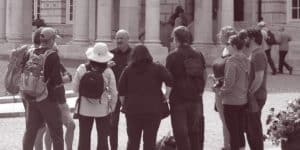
(295, 9)
(69, 11)
(238, 10)
(36, 11)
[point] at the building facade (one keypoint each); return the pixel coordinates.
(83, 22)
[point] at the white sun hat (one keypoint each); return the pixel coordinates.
(99, 53)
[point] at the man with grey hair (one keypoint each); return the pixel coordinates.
(43, 107)
(118, 63)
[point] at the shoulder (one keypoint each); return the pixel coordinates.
(108, 71)
(81, 68)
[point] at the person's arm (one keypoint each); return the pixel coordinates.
(168, 80)
(229, 78)
(78, 74)
(123, 84)
(52, 70)
(113, 90)
(259, 63)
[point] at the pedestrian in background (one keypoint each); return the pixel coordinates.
(284, 39)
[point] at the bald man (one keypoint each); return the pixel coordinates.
(119, 62)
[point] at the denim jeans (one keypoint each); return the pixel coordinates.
(254, 131)
(85, 130)
(39, 113)
(188, 125)
(234, 119)
(138, 124)
(113, 136)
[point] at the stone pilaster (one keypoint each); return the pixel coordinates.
(227, 13)
(2, 20)
(203, 22)
(104, 20)
(81, 22)
(14, 16)
(129, 18)
(152, 25)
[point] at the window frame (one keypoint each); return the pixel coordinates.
(289, 8)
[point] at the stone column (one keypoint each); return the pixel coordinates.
(152, 26)
(152, 31)
(104, 20)
(15, 22)
(227, 11)
(2, 20)
(203, 22)
(81, 22)
(129, 17)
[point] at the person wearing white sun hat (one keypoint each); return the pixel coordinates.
(90, 109)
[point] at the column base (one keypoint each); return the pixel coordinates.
(80, 42)
(103, 40)
(14, 40)
(158, 52)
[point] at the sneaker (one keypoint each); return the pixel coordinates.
(280, 72)
(274, 73)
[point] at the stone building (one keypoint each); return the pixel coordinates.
(83, 22)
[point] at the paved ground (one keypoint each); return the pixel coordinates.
(282, 88)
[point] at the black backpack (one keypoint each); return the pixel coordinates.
(92, 83)
(270, 40)
(192, 85)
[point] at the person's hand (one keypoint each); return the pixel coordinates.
(111, 63)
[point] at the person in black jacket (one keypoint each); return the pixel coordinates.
(186, 95)
(140, 90)
(118, 63)
(46, 110)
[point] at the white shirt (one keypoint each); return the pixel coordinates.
(92, 107)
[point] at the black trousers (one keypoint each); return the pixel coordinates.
(39, 113)
(114, 127)
(85, 129)
(188, 125)
(234, 118)
(138, 124)
(254, 131)
(282, 62)
(270, 60)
